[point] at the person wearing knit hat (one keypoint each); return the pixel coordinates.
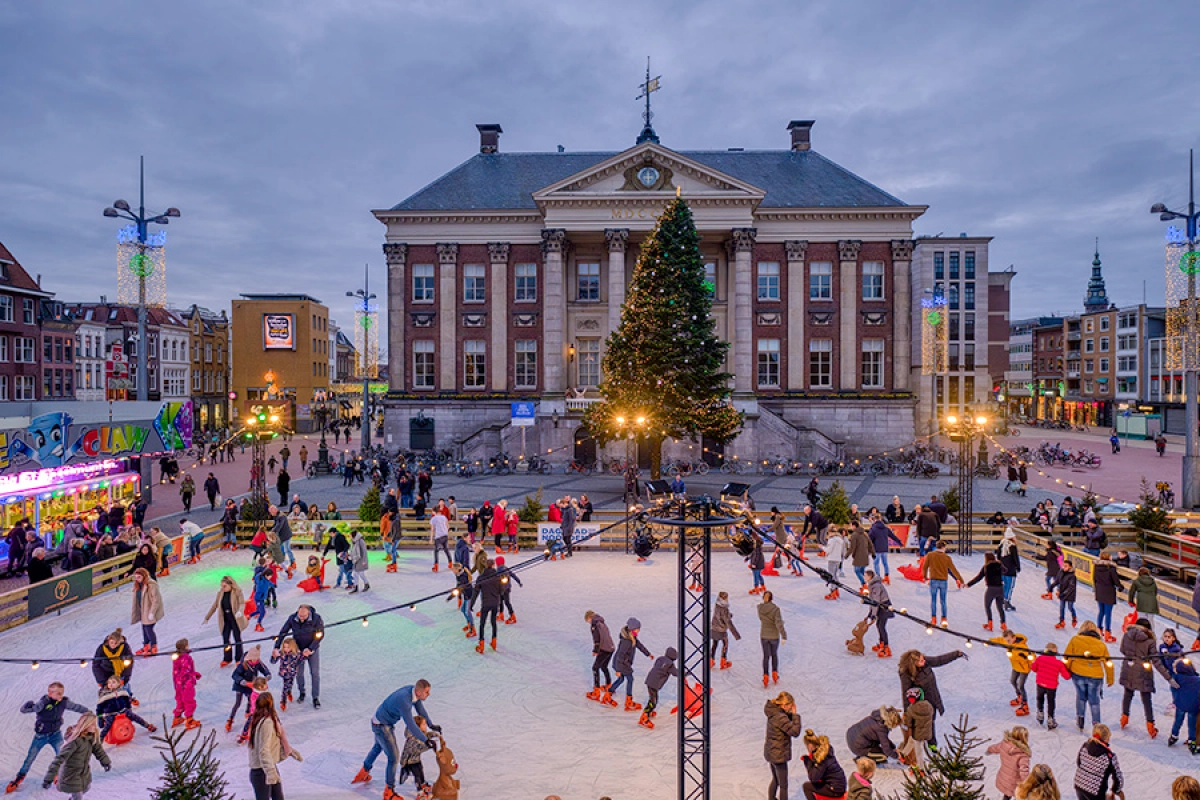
(627, 648)
(243, 680)
(507, 576)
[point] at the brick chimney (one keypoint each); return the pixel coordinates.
(801, 129)
(489, 138)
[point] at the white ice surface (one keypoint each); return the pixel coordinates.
(517, 719)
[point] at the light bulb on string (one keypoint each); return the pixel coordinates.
(365, 622)
(34, 665)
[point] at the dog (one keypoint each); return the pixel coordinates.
(446, 786)
(855, 644)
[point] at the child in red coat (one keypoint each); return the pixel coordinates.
(514, 526)
(184, 675)
(1048, 670)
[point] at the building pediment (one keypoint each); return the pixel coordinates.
(647, 172)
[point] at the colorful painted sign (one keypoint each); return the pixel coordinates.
(279, 332)
(54, 440)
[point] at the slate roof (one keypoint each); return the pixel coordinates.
(507, 181)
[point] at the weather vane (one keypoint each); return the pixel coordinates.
(651, 85)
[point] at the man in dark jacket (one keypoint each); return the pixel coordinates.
(38, 568)
(815, 521)
(212, 488)
(1139, 647)
(881, 536)
(284, 531)
(307, 628)
(139, 510)
(1094, 538)
(929, 529)
(341, 546)
(569, 513)
(229, 521)
(938, 507)
(602, 651)
(16, 550)
(487, 591)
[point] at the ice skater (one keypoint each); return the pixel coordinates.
(47, 727)
(262, 591)
(506, 577)
(397, 707)
(720, 627)
(114, 701)
(835, 554)
(487, 592)
(771, 633)
(1049, 670)
(465, 591)
(627, 648)
(184, 677)
(243, 681)
(602, 653)
(410, 756)
(439, 537)
(881, 612)
(288, 660)
(664, 667)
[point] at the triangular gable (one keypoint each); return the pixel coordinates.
(618, 174)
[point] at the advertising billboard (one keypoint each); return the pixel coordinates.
(279, 332)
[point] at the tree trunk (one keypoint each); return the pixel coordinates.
(655, 444)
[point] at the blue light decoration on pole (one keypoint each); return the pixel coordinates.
(141, 263)
(1183, 325)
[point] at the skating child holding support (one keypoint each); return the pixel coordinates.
(289, 659)
(410, 756)
(243, 680)
(115, 701)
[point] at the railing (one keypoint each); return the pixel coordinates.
(580, 404)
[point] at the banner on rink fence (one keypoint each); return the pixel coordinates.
(552, 531)
(60, 592)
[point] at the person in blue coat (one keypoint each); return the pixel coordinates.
(308, 629)
(881, 536)
(398, 706)
(462, 552)
(1186, 694)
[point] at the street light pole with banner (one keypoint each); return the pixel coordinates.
(523, 416)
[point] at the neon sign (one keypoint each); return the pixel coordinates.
(33, 480)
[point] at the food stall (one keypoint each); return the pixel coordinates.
(50, 497)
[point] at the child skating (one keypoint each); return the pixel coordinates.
(1048, 670)
(602, 653)
(114, 701)
(243, 680)
(720, 628)
(513, 523)
(72, 766)
(1067, 591)
(410, 757)
(184, 676)
(917, 726)
(664, 667)
(627, 648)
(289, 664)
(262, 590)
(1014, 755)
(1021, 660)
(47, 726)
(257, 687)
(466, 591)
(506, 577)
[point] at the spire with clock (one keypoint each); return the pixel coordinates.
(648, 134)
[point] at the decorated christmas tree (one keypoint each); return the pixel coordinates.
(952, 772)
(192, 772)
(835, 504)
(370, 509)
(663, 364)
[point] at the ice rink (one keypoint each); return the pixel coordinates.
(517, 719)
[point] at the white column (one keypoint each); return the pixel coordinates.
(794, 318)
(617, 239)
(498, 318)
(902, 250)
(743, 286)
(396, 255)
(554, 309)
(447, 317)
(848, 314)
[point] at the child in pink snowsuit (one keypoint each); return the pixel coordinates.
(184, 674)
(514, 526)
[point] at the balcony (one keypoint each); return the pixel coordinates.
(578, 405)
(1072, 373)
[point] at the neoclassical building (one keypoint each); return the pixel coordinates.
(506, 275)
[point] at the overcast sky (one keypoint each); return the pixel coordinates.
(277, 126)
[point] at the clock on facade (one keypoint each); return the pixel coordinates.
(648, 176)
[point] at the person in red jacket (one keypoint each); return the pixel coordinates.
(1048, 670)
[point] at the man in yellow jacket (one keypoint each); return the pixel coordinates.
(1087, 660)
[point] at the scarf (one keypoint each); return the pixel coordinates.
(118, 662)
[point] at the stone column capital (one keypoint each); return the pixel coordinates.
(395, 253)
(447, 253)
(616, 239)
(554, 240)
(498, 252)
(848, 249)
(797, 249)
(741, 240)
(902, 249)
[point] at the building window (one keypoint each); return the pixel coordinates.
(820, 363)
(1089, 345)
(969, 296)
(589, 362)
(1104, 365)
(1089, 366)
(474, 364)
(47, 350)
(954, 327)
(6, 308)
(939, 266)
(588, 275)
(952, 298)
(1087, 326)
(768, 280)
(768, 363)
(422, 364)
(820, 280)
(969, 265)
(872, 364)
(24, 387)
(872, 280)
(1103, 344)
(1087, 386)
(196, 381)
(952, 356)
(710, 278)
(969, 327)
(525, 365)
(422, 279)
(153, 351)
(47, 383)
(473, 283)
(1127, 341)
(1127, 321)
(968, 357)
(3, 387)
(27, 307)
(24, 350)
(525, 290)
(1104, 323)
(954, 266)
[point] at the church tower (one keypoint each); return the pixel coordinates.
(1097, 296)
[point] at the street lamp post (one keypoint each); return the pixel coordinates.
(965, 431)
(122, 210)
(365, 296)
(1191, 457)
